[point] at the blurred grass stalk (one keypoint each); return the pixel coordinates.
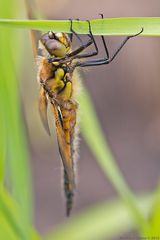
(95, 139)
(14, 165)
(106, 220)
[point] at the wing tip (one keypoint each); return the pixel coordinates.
(46, 127)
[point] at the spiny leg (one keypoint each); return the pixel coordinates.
(101, 61)
(93, 53)
(83, 45)
(73, 32)
(90, 35)
(104, 42)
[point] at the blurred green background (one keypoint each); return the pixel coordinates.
(126, 97)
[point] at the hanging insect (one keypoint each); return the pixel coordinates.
(57, 78)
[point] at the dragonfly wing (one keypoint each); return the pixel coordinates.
(65, 135)
(43, 103)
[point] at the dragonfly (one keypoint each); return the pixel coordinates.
(57, 77)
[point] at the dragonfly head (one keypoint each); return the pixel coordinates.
(57, 44)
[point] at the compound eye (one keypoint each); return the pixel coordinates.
(51, 35)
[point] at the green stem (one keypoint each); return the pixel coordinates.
(112, 26)
(94, 137)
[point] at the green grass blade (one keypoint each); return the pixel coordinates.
(5, 229)
(154, 220)
(3, 141)
(94, 137)
(17, 172)
(8, 210)
(104, 221)
(10, 216)
(112, 26)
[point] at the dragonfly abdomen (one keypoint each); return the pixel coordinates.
(69, 193)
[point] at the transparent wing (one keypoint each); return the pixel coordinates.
(43, 103)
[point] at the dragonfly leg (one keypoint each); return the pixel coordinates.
(106, 60)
